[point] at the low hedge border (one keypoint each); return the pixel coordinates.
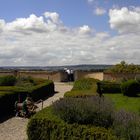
(45, 125)
(110, 87)
(8, 95)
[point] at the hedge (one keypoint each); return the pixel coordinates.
(8, 80)
(83, 88)
(12, 94)
(130, 88)
(85, 84)
(46, 126)
(80, 93)
(110, 87)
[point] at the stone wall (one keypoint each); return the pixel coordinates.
(54, 76)
(5, 73)
(61, 76)
(120, 76)
(88, 74)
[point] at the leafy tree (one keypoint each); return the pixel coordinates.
(123, 67)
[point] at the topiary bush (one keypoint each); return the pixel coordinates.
(130, 88)
(9, 80)
(45, 125)
(94, 110)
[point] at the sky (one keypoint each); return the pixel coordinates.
(69, 32)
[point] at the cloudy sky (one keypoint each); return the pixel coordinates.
(69, 32)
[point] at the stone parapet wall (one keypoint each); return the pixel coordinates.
(5, 73)
(60, 76)
(54, 76)
(120, 76)
(88, 74)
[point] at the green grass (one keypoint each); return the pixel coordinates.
(123, 102)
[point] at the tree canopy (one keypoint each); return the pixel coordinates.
(123, 67)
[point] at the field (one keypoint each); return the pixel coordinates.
(123, 102)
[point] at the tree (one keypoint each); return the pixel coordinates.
(123, 67)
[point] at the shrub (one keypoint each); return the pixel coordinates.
(83, 88)
(25, 81)
(85, 84)
(47, 126)
(7, 80)
(42, 91)
(110, 87)
(126, 125)
(80, 93)
(130, 88)
(7, 100)
(94, 110)
(8, 95)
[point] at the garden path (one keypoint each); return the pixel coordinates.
(15, 127)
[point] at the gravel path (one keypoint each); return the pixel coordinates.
(15, 127)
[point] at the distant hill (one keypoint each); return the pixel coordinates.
(59, 68)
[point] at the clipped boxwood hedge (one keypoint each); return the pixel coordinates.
(46, 126)
(110, 87)
(130, 88)
(83, 88)
(8, 95)
(85, 84)
(79, 93)
(8, 80)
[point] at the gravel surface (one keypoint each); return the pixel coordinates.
(15, 127)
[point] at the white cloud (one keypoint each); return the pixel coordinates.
(46, 41)
(2, 24)
(125, 20)
(99, 11)
(85, 29)
(32, 23)
(54, 17)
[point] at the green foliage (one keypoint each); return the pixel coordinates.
(47, 126)
(80, 93)
(110, 87)
(123, 67)
(83, 88)
(94, 110)
(25, 81)
(127, 125)
(7, 80)
(85, 84)
(7, 100)
(9, 95)
(42, 91)
(130, 88)
(29, 81)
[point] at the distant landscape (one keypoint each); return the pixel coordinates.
(59, 68)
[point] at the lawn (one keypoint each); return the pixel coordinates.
(123, 102)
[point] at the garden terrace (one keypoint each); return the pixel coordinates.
(41, 89)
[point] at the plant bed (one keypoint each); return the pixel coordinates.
(45, 125)
(9, 95)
